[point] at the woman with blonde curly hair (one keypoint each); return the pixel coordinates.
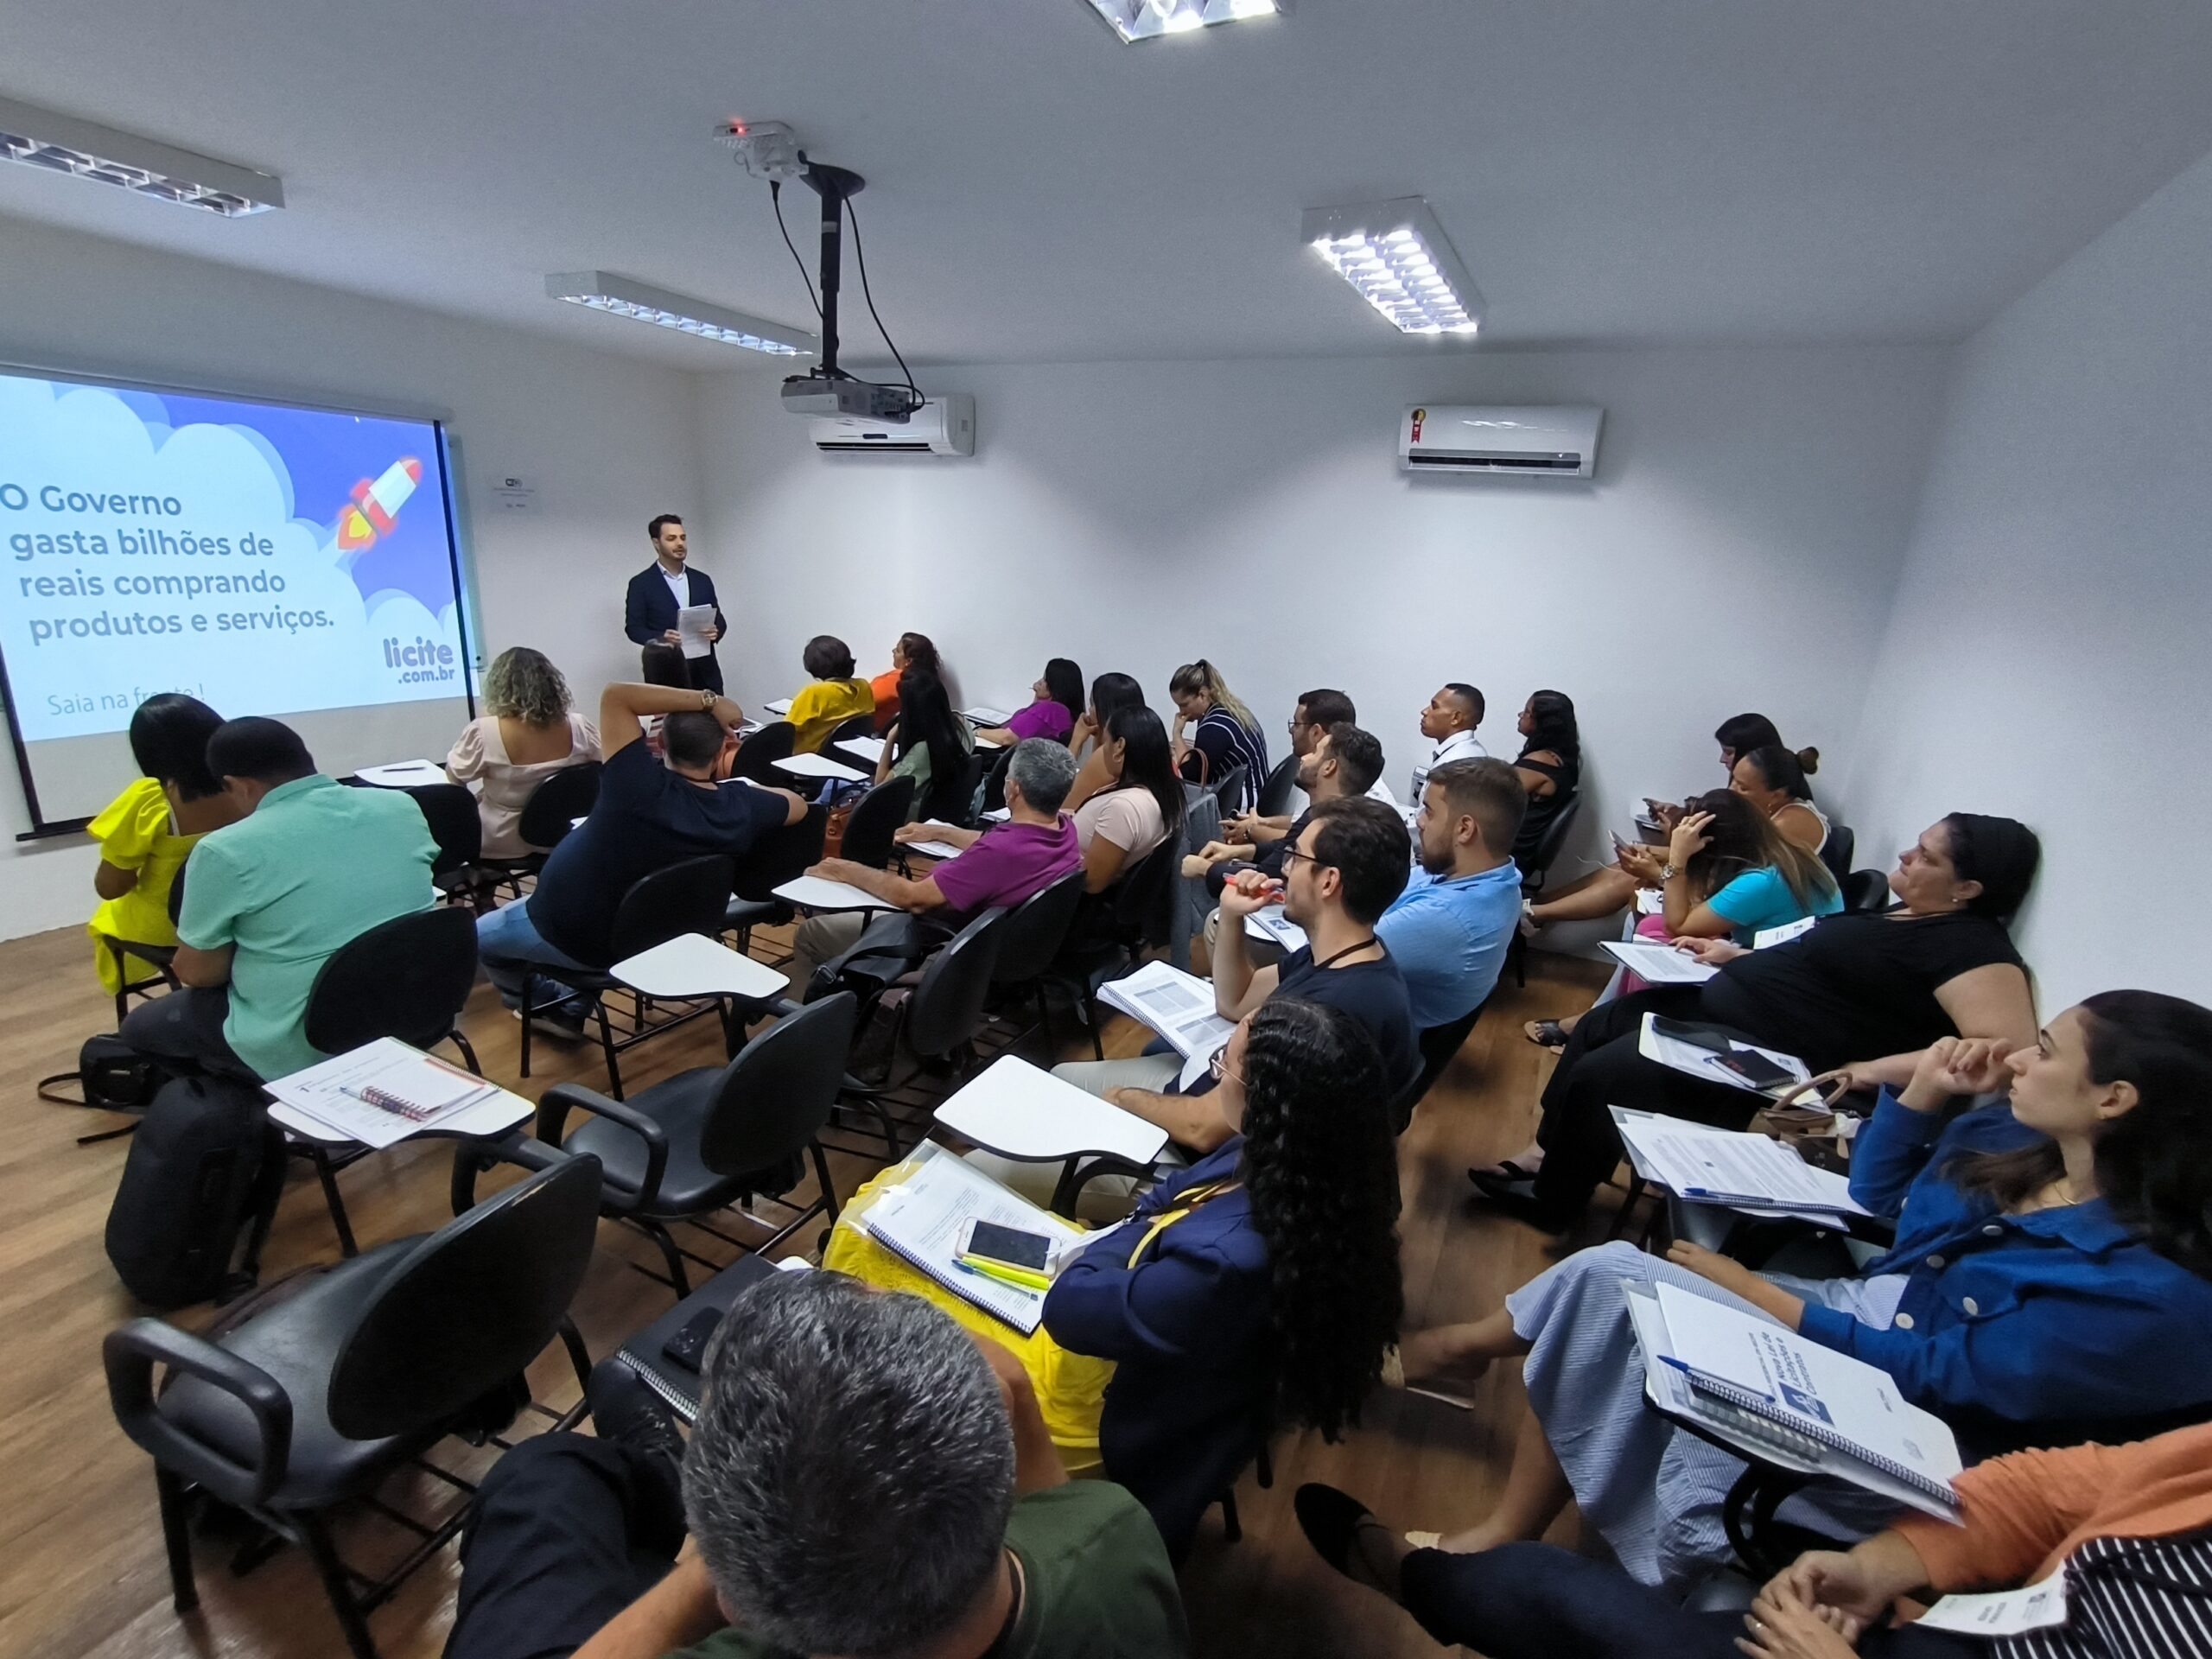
(526, 732)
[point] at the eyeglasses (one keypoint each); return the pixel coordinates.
(1218, 1066)
(1315, 860)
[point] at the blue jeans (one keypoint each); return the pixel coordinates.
(508, 941)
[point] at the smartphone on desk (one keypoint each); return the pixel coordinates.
(987, 1244)
(1681, 1030)
(1755, 1068)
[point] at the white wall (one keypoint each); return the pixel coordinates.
(2047, 656)
(609, 442)
(1736, 551)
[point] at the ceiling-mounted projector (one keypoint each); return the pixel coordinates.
(822, 394)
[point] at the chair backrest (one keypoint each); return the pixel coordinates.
(560, 799)
(1551, 843)
(947, 1007)
(1274, 794)
(775, 1097)
(1438, 1044)
(469, 1307)
(1837, 851)
(994, 779)
(781, 854)
(405, 978)
(1229, 789)
(450, 810)
(952, 800)
(757, 756)
(858, 726)
(1143, 899)
(1866, 890)
(874, 815)
(177, 890)
(687, 898)
(1035, 928)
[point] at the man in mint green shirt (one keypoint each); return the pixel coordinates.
(269, 899)
(864, 1480)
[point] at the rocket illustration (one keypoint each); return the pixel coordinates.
(376, 505)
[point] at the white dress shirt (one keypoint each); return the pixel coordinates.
(679, 583)
(1460, 746)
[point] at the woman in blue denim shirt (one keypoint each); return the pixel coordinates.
(2052, 1276)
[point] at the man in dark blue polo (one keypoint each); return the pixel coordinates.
(666, 587)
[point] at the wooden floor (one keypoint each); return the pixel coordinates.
(81, 1566)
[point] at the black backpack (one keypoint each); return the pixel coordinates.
(206, 1166)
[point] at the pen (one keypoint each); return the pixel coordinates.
(1015, 1276)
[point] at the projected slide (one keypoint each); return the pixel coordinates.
(266, 559)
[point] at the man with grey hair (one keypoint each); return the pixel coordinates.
(864, 1480)
(998, 866)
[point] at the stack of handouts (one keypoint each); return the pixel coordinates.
(384, 1091)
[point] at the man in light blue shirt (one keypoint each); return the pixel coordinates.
(1449, 929)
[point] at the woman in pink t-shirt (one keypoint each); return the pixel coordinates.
(1059, 705)
(1141, 804)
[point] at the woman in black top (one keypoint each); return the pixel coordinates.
(1550, 766)
(1867, 991)
(1223, 734)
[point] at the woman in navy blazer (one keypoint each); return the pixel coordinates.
(2052, 1281)
(1258, 1289)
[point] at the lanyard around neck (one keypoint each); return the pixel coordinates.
(1190, 1200)
(1338, 955)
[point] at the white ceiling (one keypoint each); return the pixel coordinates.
(1612, 171)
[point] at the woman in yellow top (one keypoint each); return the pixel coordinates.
(146, 832)
(831, 695)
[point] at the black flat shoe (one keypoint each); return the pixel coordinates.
(1515, 1183)
(1518, 1200)
(1330, 1519)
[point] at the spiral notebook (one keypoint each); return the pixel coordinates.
(917, 1220)
(1806, 1407)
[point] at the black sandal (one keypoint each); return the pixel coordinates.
(1547, 1034)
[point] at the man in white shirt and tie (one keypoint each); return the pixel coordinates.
(1449, 723)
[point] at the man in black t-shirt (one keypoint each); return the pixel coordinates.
(1348, 864)
(648, 817)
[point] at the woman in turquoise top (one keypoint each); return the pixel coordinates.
(1751, 876)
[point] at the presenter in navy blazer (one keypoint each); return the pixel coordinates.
(1259, 1289)
(663, 587)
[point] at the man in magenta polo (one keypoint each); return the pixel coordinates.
(1004, 865)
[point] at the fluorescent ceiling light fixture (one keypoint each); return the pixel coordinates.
(1147, 20)
(1398, 257)
(621, 296)
(62, 144)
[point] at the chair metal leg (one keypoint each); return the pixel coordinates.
(337, 1585)
(1045, 1015)
(329, 1177)
(670, 1253)
(822, 1180)
(1090, 1017)
(1230, 1530)
(528, 987)
(468, 1053)
(1263, 1466)
(184, 1588)
(579, 1355)
(607, 1042)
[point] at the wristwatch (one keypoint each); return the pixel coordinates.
(1668, 873)
(706, 701)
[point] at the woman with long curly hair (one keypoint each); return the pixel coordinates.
(526, 733)
(1260, 1288)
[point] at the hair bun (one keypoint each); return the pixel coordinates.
(1809, 761)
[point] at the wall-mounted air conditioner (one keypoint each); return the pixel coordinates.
(945, 425)
(1516, 443)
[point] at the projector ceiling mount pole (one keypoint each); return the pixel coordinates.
(834, 185)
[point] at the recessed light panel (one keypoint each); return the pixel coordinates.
(1147, 20)
(1401, 262)
(619, 296)
(62, 144)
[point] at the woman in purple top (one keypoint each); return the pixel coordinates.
(1054, 715)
